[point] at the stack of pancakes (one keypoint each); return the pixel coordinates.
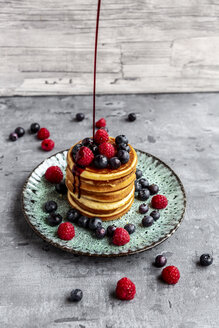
(104, 193)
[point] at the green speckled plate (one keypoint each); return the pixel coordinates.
(37, 191)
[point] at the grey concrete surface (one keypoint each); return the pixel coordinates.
(35, 278)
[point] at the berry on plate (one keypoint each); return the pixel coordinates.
(95, 223)
(147, 221)
(155, 215)
(43, 133)
(107, 149)
(110, 230)
(130, 228)
(84, 156)
(160, 261)
(72, 215)
(143, 194)
(50, 206)
(120, 237)
(143, 182)
(76, 295)
(66, 231)
(54, 174)
(83, 221)
(125, 289)
(159, 202)
(143, 208)
(47, 144)
(138, 173)
(61, 188)
(54, 219)
(100, 232)
(101, 123)
(171, 275)
(101, 136)
(206, 259)
(153, 189)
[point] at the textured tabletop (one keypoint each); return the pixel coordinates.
(35, 278)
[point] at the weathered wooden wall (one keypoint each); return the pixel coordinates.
(46, 47)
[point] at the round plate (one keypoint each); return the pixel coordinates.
(37, 191)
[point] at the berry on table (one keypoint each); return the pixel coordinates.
(84, 156)
(61, 188)
(160, 261)
(121, 139)
(110, 230)
(120, 237)
(101, 136)
(123, 155)
(130, 228)
(159, 202)
(19, 131)
(54, 219)
(83, 221)
(153, 189)
(100, 162)
(107, 150)
(34, 128)
(155, 215)
(125, 289)
(143, 182)
(101, 123)
(72, 215)
(50, 206)
(43, 133)
(206, 259)
(100, 232)
(123, 146)
(47, 144)
(66, 231)
(114, 163)
(171, 275)
(147, 221)
(138, 173)
(143, 194)
(54, 174)
(132, 117)
(76, 295)
(13, 136)
(143, 208)
(79, 117)
(95, 223)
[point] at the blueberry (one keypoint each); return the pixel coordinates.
(87, 142)
(130, 228)
(34, 128)
(100, 232)
(143, 194)
(143, 182)
(79, 117)
(123, 146)
(54, 219)
(50, 206)
(75, 149)
(138, 174)
(132, 117)
(153, 189)
(143, 208)
(114, 163)
(76, 295)
(100, 161)
(83, 221)
(72, 215)
(94, 149)
(155, 215)
(13, 136)
(137, 186)
(123, 155)
(160, 261)
(61, 188)
(121, 139)
(206, 259)
(110, 230)
(147, 221)
(20, 131)
(95, 223)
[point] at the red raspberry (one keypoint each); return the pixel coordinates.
(43, 133)
(66, 231)
(101, 123)
(101, 136)
(159, 202)
(54, 174)
(107, 150)
(47, 144)
(120, 237)
(125, 289)
(171, 275)
(84, 156)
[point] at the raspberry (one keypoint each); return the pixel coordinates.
(84, 156)
(125, 289)
(47, 144)
(101, 136)
(107, 150)
(66, 231)
(171, 275)
(43, 133)
(120, 237)
(159, 202)
(101, 123)
(54, 174)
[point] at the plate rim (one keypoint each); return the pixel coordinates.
(80, 253)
